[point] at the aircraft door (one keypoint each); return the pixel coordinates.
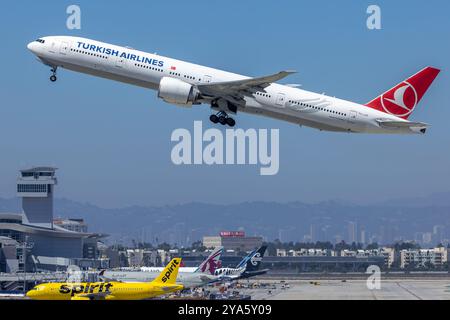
(207, 79)
(281, 100)
(64, 48)
(352, 116)
(52, 46)
(120, 62)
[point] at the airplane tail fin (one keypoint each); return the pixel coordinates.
(244, 261)
(212, 262)
(255, 260)
(402, 99)
(169, 274)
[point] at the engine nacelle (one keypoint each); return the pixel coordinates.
(178, 92)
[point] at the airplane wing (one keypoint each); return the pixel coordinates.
(106, 279)
(401, 124)
(232, 90)
(169, 288)
(101, 275)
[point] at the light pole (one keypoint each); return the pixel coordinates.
(24, 253)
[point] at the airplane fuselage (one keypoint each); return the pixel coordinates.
(147, 70)
(187, 279)
(109, 290)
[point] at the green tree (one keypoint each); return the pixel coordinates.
(164, 246)
(372, 246)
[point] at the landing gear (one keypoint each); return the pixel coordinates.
(53, 77)
(222, 118)
(231, 122)
(214, 119)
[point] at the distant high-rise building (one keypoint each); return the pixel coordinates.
(438, 233)
(352, 232)
(427, 238)
(312, 233)
(363, 236)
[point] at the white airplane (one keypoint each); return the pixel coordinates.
(188, 277)
(186, 84)
(209, 265)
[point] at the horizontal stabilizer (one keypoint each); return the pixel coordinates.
(401, 124)
(404, 126)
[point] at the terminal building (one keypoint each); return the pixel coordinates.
(47, 243)
(233, 240)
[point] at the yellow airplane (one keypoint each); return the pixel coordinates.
(165, 283)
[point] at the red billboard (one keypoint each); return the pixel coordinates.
(228, 234)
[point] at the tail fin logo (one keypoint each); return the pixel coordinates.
(401, 101)
(256, 259)
(212, 264)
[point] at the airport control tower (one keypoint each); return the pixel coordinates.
(35, 186)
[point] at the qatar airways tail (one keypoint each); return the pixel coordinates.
(186, 84)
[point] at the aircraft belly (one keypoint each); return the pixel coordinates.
(292, 118)
(104, 73)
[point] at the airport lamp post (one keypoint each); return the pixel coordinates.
(25, 264)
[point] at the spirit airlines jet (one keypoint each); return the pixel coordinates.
(197, 277)
(186, 84)
(164, 284)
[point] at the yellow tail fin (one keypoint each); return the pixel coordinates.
(170, 272)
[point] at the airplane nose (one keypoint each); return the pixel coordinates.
(32, 47)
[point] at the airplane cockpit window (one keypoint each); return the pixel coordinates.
(40, 40)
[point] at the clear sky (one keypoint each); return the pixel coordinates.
(111, 141)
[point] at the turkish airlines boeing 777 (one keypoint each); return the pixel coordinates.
(186, 84)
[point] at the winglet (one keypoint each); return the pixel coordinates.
(283, 74)
(170, 272)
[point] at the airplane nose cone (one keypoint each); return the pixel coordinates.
(32, 47)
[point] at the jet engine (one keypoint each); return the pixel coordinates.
(178, 92)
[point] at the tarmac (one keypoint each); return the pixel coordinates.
(390, 289)
(338, 289)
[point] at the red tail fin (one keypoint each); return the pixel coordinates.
(401, 100)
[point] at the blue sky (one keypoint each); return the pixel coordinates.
(112, 143)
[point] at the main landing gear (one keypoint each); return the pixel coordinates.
(53, 77)
(222, 118)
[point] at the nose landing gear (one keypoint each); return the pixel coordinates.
(222, 118)
(53, 77)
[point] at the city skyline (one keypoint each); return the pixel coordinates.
(298, 222)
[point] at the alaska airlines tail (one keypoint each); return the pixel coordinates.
(246, 259)
(212, 262)
(169, 274)
(254, 262)
(401, 100)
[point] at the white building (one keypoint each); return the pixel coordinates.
(387, 253)
(423, 257)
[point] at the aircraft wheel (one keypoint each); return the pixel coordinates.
(231, 122)
(214, 119)
(222, 120)
(53, 78)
